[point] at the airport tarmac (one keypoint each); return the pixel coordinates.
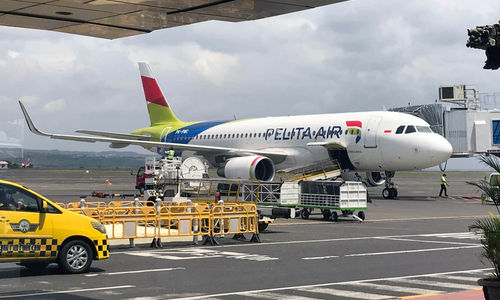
(418, 244)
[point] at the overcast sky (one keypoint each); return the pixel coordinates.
(352, 56)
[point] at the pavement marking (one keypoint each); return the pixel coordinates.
(437, 283)
(425, 218)
(301, 287)
(273, 296)
(402, 289)
(423, 241)
(350, 294)
(69, 291)
(463, 278)
(199, 253)
(384, 220)
(417, 296)
(458, 235)
(412, 251)
(136, 272)
(298, 242)
(321, 257)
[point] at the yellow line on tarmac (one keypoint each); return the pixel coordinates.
(383, 220)
(418, 296)
(434, 294)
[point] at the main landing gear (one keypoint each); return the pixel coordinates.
(391, 190)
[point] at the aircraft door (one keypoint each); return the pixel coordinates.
(25, 230)
(371, 132)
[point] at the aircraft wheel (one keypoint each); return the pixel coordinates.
(335, 216)
(361, 215)
(305, 214)
(394, 193)
(386, 193)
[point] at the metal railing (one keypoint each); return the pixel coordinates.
(146, 219)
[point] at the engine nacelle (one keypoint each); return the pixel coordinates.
(375, 178)
(370, 178)
(253, 167)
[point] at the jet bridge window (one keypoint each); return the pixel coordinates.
(410, 129)
(495, 127)
(400, 129)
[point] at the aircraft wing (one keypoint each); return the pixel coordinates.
(111, 19)
(116, 135)
(123, 142)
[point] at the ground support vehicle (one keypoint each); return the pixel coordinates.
(37, 232)
(494, 181)
(328, 196)
(164, 173)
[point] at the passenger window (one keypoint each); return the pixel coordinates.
(410, 129)
(400, 129)
(16, 199)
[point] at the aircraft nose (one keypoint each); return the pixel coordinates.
(441, 149)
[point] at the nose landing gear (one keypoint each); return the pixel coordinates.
(391, 190)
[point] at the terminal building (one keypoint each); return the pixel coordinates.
(468, 120)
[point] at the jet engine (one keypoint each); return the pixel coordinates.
(370, 178)
(253, 167)
(375, 178)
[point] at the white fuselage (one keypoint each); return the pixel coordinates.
(370, 139)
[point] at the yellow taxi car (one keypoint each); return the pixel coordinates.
(37, 232)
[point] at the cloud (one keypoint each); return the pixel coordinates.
(30, 100)
(54, 106)
(214, 67)
(198, 63)
(350, 56)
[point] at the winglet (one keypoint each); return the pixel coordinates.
(30, 123)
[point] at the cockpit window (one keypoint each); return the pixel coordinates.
(410, 129)
(400, 129)
(426, 129)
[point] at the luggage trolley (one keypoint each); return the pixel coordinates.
(305, 196)
(330, 197)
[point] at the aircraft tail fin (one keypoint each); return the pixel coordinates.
(158, 108)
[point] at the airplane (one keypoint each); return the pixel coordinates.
(111, 19)
(376, 142)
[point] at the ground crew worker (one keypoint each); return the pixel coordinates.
(357, 177)
(443, 186)
(171, 153)
(217, 196)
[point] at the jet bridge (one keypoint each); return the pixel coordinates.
(470, 121)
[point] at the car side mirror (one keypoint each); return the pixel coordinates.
(44, 206)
